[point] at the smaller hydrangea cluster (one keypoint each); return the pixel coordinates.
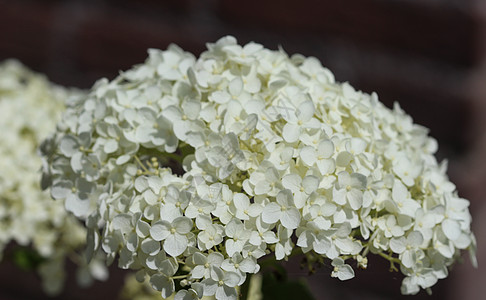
(277, 158)
(29, 108)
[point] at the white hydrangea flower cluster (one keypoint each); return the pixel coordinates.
(277, 158)
(29, 108)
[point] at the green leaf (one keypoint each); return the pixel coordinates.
(277, 286)
(27, 259)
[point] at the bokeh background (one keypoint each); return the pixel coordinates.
(429, 55)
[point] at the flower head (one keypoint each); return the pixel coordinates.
(217, 160)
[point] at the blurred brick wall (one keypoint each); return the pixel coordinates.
(429, 55)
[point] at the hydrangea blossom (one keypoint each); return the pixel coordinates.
(29, 108)
(191, 169)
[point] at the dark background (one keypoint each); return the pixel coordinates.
(429, 55)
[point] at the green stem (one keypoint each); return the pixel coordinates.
(140, 163)
(392, 260)
(389, 257)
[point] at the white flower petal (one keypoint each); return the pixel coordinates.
(415, 239)
(61, 189)
(271, 213)
(69, 145)
(291, 133)
(290, 218)
(326, 149)
(398, 245)
(306, 111)
(122, 222)
(160, 230)
(163, 284)
(175, 244)
(451, 229)
(79, 207)
(345, 272)
(110, 146)
(183, 225)
(308, 155)
(150, 246)
(241, 201)
(310, 184)
(231, 279)
(292, 182)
